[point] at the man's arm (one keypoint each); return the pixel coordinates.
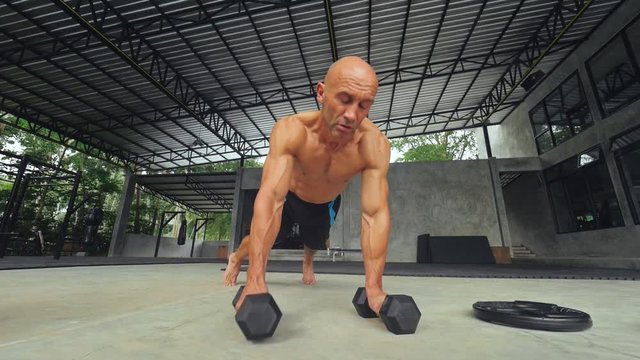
(286, 137)
(376, 221)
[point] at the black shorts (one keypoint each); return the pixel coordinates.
(305, 223)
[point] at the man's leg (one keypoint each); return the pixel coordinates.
(308, 277)
(235, 260)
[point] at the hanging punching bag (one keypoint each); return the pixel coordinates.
(182, 233)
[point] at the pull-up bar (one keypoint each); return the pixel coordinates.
(197, 228)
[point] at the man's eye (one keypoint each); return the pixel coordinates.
(344, 99)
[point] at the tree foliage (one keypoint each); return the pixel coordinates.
(46, 200)
(45, 205)
(448, 145)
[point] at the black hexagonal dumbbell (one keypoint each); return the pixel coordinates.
(258, 317)
(237, 297)
(362, 305)
(399, 313)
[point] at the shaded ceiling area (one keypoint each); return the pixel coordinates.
(169, 84)
(202, 193)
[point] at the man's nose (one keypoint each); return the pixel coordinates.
(350, 113)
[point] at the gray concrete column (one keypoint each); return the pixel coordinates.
(618, 187)
(500, 207)
(122, 215)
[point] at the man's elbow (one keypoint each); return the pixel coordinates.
(378, 215)
(267, 201)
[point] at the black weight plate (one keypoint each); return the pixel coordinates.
(532, 315)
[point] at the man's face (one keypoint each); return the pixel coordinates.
(346, 100)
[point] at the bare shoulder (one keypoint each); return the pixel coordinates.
(374, 146)
(288, 134)
(307, 118)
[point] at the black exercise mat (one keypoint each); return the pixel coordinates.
(37, 262)
(512, 271)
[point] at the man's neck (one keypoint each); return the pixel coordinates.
(329, 141)
(325, 138)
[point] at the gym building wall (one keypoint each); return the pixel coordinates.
(583, 124)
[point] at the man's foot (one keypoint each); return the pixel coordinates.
(232, 271)
(375, 300)
(251, 288)
(308, 276)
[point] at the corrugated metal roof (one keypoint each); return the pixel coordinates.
(140, 82)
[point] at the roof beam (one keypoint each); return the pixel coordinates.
(331, 29)
(78, 133)
(370, 10)
(235, 58)
(395, 77)
(427, 65)
(386, 77)
(435, 119)
(195, 185)
(92, 87)
(184, 18)
(304, 62)
(85, 130)
(260, 144)
(551, 30)
(266, 52)
(40, 124)
(183, 95)
(455, 64)
(489, 54)
(216, 78)
(168, 199)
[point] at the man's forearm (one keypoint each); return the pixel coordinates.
(374, 240)
(264, 229)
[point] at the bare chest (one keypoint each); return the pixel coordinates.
(319, 165)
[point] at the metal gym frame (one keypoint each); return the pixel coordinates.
(28, 171)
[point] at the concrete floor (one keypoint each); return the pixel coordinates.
(181, 311)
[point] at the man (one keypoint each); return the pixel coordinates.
(312, 156)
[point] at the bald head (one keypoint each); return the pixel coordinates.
(346, 95)
(352, 68)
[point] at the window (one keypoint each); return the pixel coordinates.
(582, 194)
(628, 159)
(561, 115)
(614, 71)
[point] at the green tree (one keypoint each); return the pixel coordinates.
(101, 182)
(44, 206)
(222, 167)
(447, 145)
(46, 200)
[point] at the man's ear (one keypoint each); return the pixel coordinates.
(320, 92)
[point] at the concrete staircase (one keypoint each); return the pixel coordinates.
(522, 252)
